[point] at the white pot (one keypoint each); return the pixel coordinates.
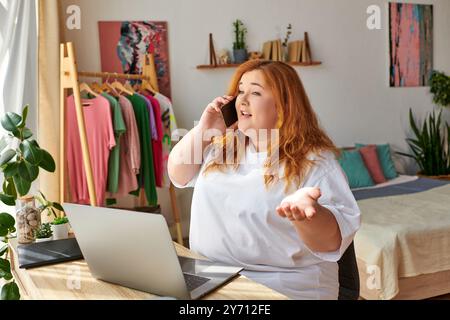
(60, 231)
(44, 239)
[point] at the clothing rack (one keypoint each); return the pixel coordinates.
(69, 80)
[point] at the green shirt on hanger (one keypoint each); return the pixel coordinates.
(114, 156)
(146, 175)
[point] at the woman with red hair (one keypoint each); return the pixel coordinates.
(269, 194)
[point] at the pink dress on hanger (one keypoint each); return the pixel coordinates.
(100, 139)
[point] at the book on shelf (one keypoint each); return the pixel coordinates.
(294, 51)
(299, 50)
(279, 52)
(306, 54)
(274, 55)
(267, 50)
(292, 54)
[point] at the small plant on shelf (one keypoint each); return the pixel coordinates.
(239, 34)
(239, 45)
(288, 35)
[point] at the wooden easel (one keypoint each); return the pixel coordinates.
(69, 80)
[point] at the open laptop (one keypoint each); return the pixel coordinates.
(135, 249)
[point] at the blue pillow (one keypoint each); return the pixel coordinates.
(384, 155)
(355, 169)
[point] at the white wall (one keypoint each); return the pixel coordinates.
(349, 92)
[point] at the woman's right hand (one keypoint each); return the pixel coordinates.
(212, 116)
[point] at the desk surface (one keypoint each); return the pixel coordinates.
(73, 280)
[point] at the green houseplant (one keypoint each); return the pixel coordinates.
(239, 45)
(43, 233)
(60, 224)
(428, 146)
(21, 157)
(440, 88)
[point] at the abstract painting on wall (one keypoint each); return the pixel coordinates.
(411, 44)
(123, 45)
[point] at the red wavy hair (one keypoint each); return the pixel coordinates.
(299, 131)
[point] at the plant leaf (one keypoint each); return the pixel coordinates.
(57, 206)
(31, 152)
(26, 133)
(11, 188)
(47, 163)
(7, 156)
(24, 117)
(11, 169)
(32, 170)
(5, 268)
(6, 220)
(10, 121)
(22, 185)
(3, 249)
(10, 291)
(3, 143)
(42, 195)
(7, 199)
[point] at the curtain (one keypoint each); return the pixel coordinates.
(18, 33)
(48, 118)
(18, 63)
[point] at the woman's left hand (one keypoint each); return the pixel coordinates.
(300, 205)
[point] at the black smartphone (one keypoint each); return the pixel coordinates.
(229, 113)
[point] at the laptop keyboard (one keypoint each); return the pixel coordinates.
(193, 282)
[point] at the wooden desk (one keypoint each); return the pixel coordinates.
(60, 281)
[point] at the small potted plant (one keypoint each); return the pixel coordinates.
(60, 224)
(43, 233)
(60, 228)
(239, 46)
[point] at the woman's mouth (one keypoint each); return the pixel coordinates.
(245, 114)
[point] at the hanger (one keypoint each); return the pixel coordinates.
(147, 72)
(119, 86)
(96, 87)
(85, 87)
(147, 86)
(128, 86)
(106, 87)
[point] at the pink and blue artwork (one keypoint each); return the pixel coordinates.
(123, 45)
(411, 44)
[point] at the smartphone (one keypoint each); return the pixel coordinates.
(229, 113)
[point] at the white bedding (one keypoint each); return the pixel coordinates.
(404, 236)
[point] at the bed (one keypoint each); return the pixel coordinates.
(403, 245)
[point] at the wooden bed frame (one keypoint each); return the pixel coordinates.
(412, 288)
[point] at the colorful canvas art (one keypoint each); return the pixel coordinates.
(123, 46)
(411, 44)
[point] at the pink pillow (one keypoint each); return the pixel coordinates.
(370, 158)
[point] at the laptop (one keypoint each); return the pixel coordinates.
(135, 249)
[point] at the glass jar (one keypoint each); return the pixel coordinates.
(28, 220)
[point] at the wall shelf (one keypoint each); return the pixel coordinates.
(234, 65)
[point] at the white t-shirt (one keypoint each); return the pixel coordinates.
(233, 220)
